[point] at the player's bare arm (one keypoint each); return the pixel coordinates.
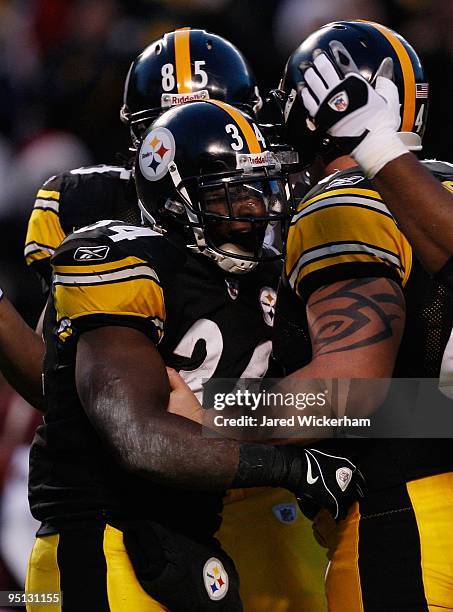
(125, 394)
(423, 208)
(355, 329)
(21, 354)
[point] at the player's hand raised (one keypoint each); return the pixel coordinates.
(361, 119)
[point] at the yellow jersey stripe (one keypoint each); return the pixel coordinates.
(112, 276)
(93, 268)
(44, 193)
(44, 230)
(367, 193)
(38, 256)
(332, 225)
(342, 201)
(332, 230)
(407, 123)
(140, 297)
(318, 260)
(245, 127)
(182, 60)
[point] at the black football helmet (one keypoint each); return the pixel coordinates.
(205, 169)
(184, 66)
(369, 44)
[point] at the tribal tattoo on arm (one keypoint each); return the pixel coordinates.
(355, 314)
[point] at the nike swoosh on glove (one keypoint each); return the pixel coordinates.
(330, 482)
(361, 119)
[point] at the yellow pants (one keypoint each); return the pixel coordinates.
(98, 574)
(281, 566)
(394, 551)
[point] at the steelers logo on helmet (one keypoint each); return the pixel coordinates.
(157, 151)
(215, 579)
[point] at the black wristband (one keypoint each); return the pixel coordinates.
(269, 466)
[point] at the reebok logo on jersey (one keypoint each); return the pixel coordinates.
(344, 476)
(91, 253)
(347, 181)
(215, 579)
(339, 102)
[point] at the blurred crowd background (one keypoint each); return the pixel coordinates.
(62, 70)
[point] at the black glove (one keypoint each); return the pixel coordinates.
(317, 479)
(329, 482)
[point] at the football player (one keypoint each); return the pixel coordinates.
(367, 129)
(370, 310)
(110, 466)
(183, 66)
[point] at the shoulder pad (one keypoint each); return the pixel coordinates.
(93, 193)
(110, 241)
(105, 240)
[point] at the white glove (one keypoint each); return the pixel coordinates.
(363, 121)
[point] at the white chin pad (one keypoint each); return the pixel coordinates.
(233, 264)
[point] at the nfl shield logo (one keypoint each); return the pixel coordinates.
(344, 476)
(339, 102)
(285, 513)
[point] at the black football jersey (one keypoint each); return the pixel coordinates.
(72, 200)
(343, 230)
(204, 323)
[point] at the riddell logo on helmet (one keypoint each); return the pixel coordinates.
(168, 100)
(255, 160)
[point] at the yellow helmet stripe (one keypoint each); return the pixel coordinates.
(245, 127)
(182, 60)
(408, 119)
